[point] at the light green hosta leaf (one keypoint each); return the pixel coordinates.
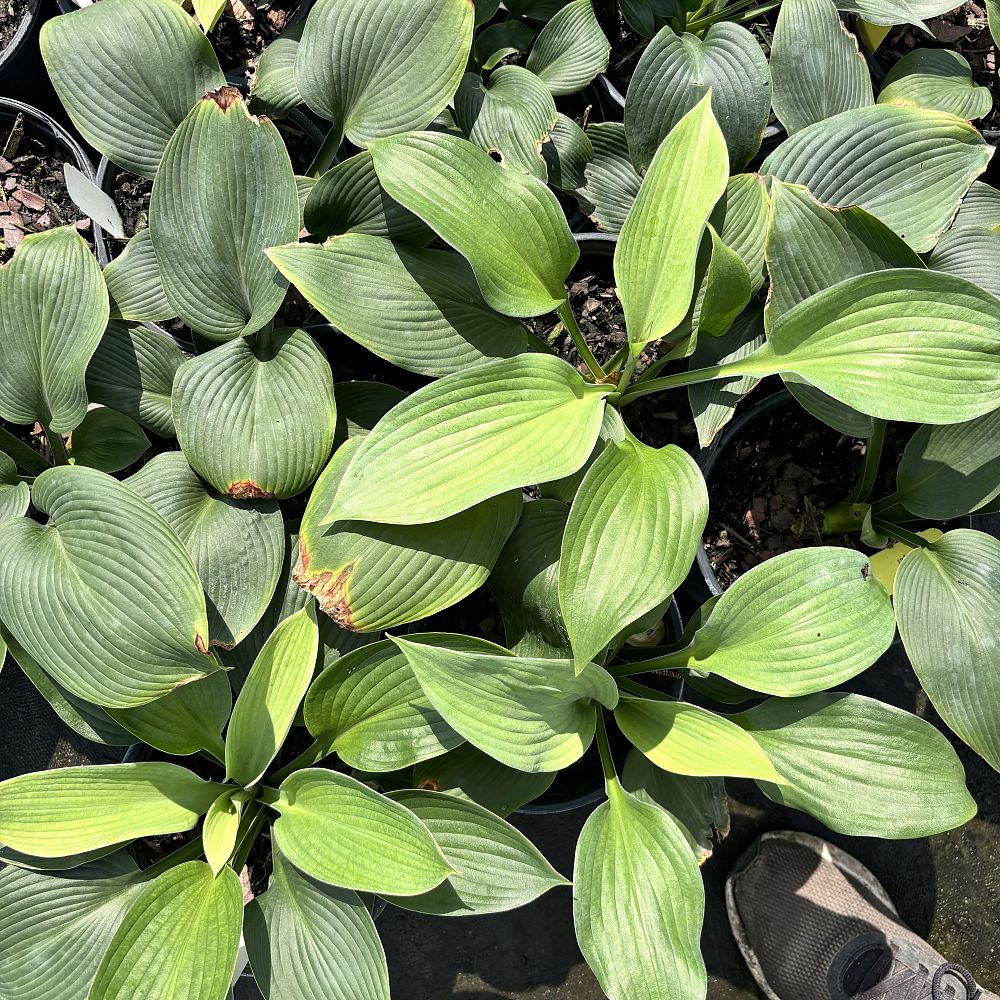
(650, 502)
(471, 436)
(817, 70)
(937, 79)
(219, 831)
(570, 50)
(107, 440)
(496, 42)
(14, 495)
(74, 809)
(497, 867)
(349, 199)
(512, 116)
(133, 280)
(236, 545)
(369, 576)
(676, 73)
(861, 767)
(337, 830)
(531, 714)
(509, 226)
(690, 740)
(947, 602)
(133, 371)
(84, 594)
(612, 431)
(147, 64)
(270, 696)
(55, 928)
(274, 89)
(741, 219)
(972, 253)
(256, 418)
(906, 166)
(360, 406)
(181, 934)
(658, 249)
(309, 941)
(980, 208)
(370, 710)
(209, 249)
(567, 154)
(638, 901)
(612, 183)
(53, 310)
(798, 623)
(374, 70)
(419, 309)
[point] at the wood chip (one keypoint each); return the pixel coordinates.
(30, 200)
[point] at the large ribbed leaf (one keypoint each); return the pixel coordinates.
(861, 767)
(471, 436)
(208, 248)
(133, 280)
(567, 154)
(133, 371)
(338, 830)
(741, 218)
(657, 253)
(274, 88)
(612, 183)
(651, 502)
(947, 604)
(497, 41)
(531, 714)
(906, 166)
(420, 309)
(147, 64)
(75, 809)
(53, 310)
(980, 207)
(236, 545)
(570, 50)
(509, 226)
(369, 576)
(361, 405)
(816, 68)
(638, 901)
(55, 928)
(107, 440)
(970, 252)
(937, 79)
(511, 117)
(14, 495)
(270, 697)
(181, 934)
(84, 594)
(497, 867)
(676, 73)
(256, 417)
(310, 941)
(373, 69)
(370, 710)
(887, 12)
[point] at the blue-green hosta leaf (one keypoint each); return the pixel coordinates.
(741, 219)
(310, 941)
(370, 710)
(360, 406)
(657, 252)
(947, 601)
(133, 280)
(651, 502)
(14, 495)
(182, 934)
(817, 70)
(906, 166)
(567, 154)
(84, 594)
(861, 767)
(512, 116)
(420, 309)
(208, 249)
(147, 65)
(508, 225)
(888, 12)
(103, 862)
(638, 901)
(53, 310)
(374, 70)
(74, 809)
(497, 41)
(570, 50)
(497, 867)
(612, 183)
(369, 576)
(220, 829)
(274, 88)
(980, 207)
(937, 79)
(972, 253)
(107, 440)
(644, 16)
(531, 714)
(256, 417)
(471, 436)
(236, 545)
(337, 830)
(270, 696)
(677, 72)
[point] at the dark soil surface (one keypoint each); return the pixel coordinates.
(626, 46)
(131, 194)
(12, 13)
(244, 31)
(33, 194)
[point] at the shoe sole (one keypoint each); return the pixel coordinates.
(849, 865)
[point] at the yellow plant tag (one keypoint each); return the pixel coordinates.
(886, 563)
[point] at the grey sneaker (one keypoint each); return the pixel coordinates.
(814, 924)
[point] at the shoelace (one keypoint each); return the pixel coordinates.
(921, 985)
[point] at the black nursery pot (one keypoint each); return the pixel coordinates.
(21, 50)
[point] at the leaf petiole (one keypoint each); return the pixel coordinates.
(565, 313)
